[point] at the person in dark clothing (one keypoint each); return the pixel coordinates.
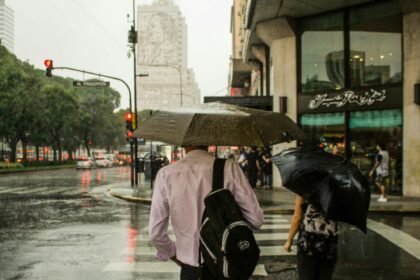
(252, 167)
(316, 244)
(267, 168)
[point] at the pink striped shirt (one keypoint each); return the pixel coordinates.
(178, 196)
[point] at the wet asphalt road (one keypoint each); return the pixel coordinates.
(61, 225)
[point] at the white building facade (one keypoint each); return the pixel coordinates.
(162, 55)
(6, 26)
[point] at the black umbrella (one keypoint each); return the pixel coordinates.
(328, 181)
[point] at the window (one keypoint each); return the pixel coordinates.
(322, 53)
(372, 56)
(375, 45)
(326, 131)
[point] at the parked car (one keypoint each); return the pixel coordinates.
(85, 163)
(150, 170)
(103, 162)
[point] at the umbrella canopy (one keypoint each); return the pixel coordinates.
(217, 124)
(328, 181)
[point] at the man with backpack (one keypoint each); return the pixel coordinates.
(179, 194)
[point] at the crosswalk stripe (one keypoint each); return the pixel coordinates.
(265, 251)
(13, 190)
(258, 236)
(276, 220)
(403, 240)
(161, 267)
(34, 190)
(276, 250)
(275, 226)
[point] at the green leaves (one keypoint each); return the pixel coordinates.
(50, 112)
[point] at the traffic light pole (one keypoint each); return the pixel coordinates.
(130, 105)
(135, 93)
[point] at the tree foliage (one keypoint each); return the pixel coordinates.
(42, 111)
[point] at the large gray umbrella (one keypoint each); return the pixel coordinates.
(217, 124)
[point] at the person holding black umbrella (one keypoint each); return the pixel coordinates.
(317, 241)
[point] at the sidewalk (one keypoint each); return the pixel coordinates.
(279, 200)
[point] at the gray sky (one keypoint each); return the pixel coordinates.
(92, 35)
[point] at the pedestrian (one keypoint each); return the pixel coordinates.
(261, 178)
(179, 194)
(267, 170)
(242, 159)
(382, 171)
(252, 167)
(316, 244)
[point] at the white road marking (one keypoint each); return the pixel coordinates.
(276, 250)
(401, 239)
(258, 236)
(34, 190)
(13, 190)
(160, 267)
(275, 226)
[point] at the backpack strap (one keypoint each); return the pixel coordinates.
(218, 174)
(217, 183)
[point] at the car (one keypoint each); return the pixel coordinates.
(103, 162)
(150, 170)
(85, 163)
(113, 159)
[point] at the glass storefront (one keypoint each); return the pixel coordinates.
(351, 66)
(367, 128)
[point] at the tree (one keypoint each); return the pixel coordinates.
(60, 110)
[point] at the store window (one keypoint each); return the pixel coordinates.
(322, 53)
(325, 131)
(375, 45)
(372, 56)
(381, 126)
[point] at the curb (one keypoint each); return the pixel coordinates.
(23, 170)
(148, 201)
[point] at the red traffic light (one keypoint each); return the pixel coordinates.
(48, 63)
(128, 116)
(129, 134)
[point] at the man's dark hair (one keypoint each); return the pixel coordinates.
(381, 145)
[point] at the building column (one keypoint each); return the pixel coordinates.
(411, 111)
(279, 35)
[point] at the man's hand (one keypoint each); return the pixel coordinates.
(175, 260)
(288, 246)
(371, 173)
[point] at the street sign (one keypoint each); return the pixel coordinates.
(91, 84)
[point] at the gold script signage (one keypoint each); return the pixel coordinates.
(363, 98)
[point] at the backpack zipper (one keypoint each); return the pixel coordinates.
(213, 256)
(228, 228)
(224, 239)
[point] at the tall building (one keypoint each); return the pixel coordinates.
(6, 26)
(346, 71)
(162, 54)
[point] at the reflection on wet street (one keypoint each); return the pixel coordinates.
(62, 225)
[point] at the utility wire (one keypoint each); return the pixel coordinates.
(98, 23)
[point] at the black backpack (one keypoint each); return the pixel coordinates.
(227, 242)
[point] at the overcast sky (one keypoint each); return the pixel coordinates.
(92, 35)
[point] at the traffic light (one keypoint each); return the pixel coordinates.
(49, 66)
(129, 124)
(129, 121)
